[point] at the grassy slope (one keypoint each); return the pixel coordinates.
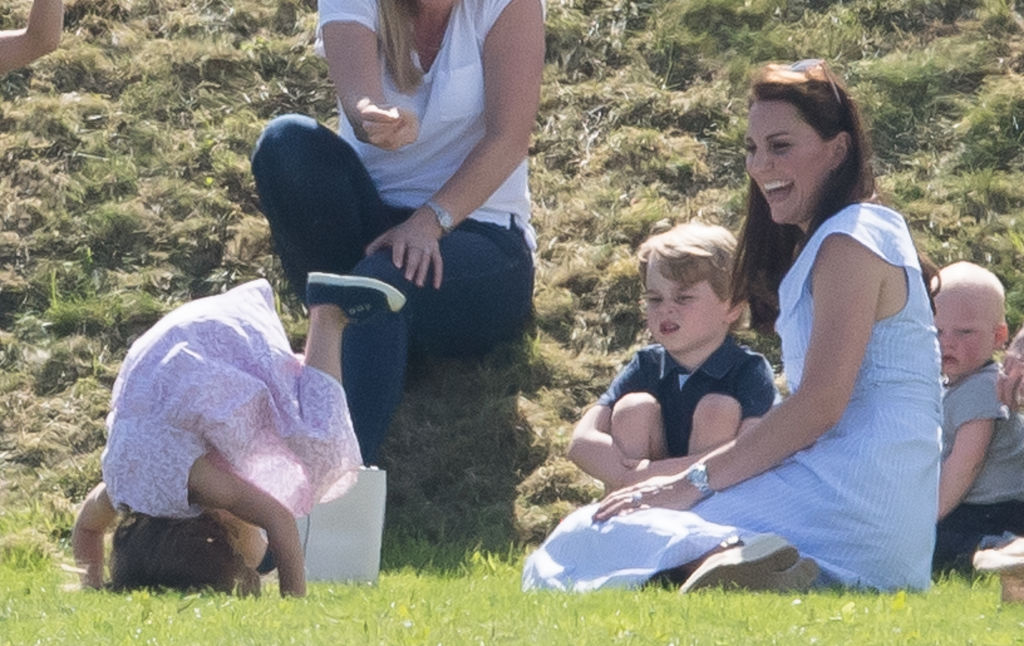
(123, 166)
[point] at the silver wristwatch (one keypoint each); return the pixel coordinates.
(697, 475)
(444, 218)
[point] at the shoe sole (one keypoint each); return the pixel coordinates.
(395, 298)
(765, 562)
(1009, 557)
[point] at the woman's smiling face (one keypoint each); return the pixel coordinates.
(789, 161)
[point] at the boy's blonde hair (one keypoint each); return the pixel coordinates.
(977, 283)
(690, 253)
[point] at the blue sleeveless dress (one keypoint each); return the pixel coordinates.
(861, 500)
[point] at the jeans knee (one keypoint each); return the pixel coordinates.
(283, 136)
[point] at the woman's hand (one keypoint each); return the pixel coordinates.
(389, 128)
(669, 492)
(414, 246)
(1010, 384)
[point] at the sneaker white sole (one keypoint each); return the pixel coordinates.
(396, 299)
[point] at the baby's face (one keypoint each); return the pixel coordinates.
(968, 335)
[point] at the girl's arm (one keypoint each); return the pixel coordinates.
(844, 312)
(215, 488)
(964, 463)
(95, 516)
(18, 47)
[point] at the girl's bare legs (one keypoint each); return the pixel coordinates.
(333, 300)
(323, 342)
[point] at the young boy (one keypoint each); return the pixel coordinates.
(690, 391)
(19, 47)
(981, 488)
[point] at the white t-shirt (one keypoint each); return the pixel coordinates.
(449, 104)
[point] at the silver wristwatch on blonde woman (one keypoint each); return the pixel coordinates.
(444, 218)
(697, 475)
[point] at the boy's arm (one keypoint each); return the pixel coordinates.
(716, 421)
(95, 516)
(964, 463)
(18, 47)
(594, 451)
(212, 487)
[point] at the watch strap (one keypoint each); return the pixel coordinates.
(444, 217)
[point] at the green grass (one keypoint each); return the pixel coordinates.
(480, 603)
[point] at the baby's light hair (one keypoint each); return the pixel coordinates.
(978, 284)
(690, 253)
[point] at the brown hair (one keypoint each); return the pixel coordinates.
(766, 249)
(690, 253)
(177, 553)
(395, 38)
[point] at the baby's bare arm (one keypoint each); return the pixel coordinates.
(95, 516)
(962, 466)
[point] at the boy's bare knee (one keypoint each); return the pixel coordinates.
(636, 406)
(715, 404)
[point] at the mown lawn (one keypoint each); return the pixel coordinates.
(480, 603)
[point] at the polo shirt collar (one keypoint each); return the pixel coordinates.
(716, 366)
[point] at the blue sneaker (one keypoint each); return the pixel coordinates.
(358, 296)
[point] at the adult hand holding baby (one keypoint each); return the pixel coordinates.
(1010, 384)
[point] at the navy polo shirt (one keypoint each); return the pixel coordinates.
(732, 369)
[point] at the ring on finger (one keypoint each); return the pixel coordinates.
(636, 498)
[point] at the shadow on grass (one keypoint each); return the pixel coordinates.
(457, 450)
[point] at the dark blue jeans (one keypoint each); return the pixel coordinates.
(324, 209)
(958, 534)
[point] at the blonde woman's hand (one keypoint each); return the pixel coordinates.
(414, 247)
(387, 127)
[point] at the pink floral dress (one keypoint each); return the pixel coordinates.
(217, 376)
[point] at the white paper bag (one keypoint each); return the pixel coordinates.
(341, 538)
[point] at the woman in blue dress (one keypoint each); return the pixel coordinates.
(838, 483)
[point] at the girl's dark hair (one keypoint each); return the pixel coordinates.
(767, 250)
(177, 553)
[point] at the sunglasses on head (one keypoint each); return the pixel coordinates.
(811, 68)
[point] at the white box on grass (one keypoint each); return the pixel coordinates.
(342, 538)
